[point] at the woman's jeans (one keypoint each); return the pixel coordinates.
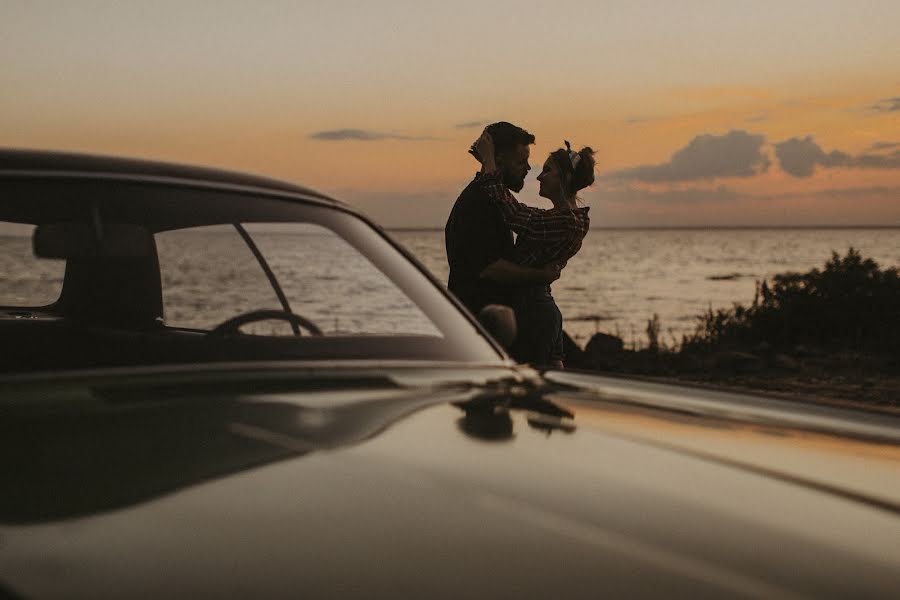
(539, 325)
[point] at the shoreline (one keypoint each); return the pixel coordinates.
(825, 393)
(841, 227)
(866, 383)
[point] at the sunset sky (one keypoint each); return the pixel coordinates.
(702, 112)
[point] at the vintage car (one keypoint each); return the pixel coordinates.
(218, 385)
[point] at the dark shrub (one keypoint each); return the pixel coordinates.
(851, 304)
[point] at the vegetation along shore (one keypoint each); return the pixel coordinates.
(828, 335)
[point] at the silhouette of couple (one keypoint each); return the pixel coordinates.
(488, 267)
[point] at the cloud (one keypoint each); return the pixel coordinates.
(471, 124)
(361, 135)
(858, 192)
(879, 146)
(878, 161)
(800, 157)
(734, 154)
(757, 118)
(887, 105)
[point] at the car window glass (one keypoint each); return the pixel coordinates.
(28, 281)
(210, 275)
(328, 281)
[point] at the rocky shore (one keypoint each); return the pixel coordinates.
(802, 373)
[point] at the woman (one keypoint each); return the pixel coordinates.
(543, 236)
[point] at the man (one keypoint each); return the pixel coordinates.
(479, 244)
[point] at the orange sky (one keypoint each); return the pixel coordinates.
(684, 102)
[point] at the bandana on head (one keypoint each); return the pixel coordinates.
(574, 157)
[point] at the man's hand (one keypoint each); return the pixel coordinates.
(484, 150)
(551, 272)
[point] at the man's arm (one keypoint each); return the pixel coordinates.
(528, 221)
(509, 273)
(525, 220)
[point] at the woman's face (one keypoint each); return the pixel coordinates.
(549, 179)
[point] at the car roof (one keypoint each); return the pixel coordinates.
(44, 162)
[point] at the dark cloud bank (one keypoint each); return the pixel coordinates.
(801, 156)
(734, 154)
(741, 154)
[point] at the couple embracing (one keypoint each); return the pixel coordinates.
(487, 266)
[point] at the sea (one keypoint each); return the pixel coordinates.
(622, 277)
(619, 280)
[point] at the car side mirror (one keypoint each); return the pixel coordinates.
(500, 321)
(81, 240)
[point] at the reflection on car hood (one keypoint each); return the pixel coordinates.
(97, 443)
(413, 482)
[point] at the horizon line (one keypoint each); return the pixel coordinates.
(680, 227)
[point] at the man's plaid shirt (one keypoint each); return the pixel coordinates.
(542, 235)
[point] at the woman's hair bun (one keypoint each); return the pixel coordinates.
(583, 176)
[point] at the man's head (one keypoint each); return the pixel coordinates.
(512, 152)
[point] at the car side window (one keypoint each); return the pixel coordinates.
(28, 281)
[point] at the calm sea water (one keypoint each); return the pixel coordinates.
(622, 277)
(615, 284)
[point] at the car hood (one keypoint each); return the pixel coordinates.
(435, 482)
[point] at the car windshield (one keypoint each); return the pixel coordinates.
(122, 273)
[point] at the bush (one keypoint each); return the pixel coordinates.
(850, 305)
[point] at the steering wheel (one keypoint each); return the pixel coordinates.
(234, 323)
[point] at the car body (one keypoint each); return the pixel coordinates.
(356, 433)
